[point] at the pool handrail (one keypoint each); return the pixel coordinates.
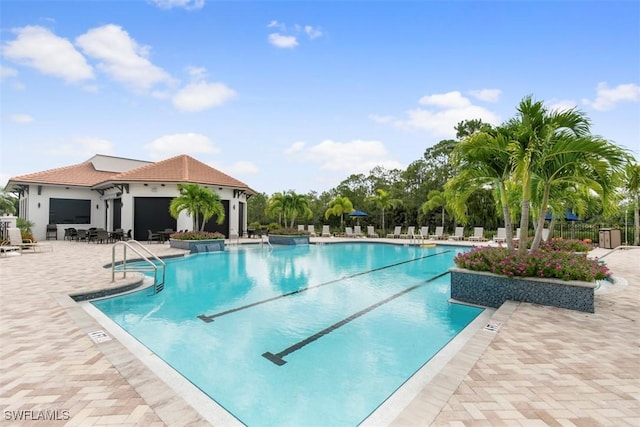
(152, 266)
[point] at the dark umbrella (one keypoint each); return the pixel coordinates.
(357, 214)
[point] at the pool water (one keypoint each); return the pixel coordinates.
(316, 335)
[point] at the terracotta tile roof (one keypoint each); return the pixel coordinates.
(82, 175)
(181, 168)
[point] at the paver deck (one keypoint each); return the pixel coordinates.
(543, 366)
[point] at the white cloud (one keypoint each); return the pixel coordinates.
(183, 143)
(281, 41)
(607, 98)
(443, 112)
(358, 156)
(21, 118)
(486, 95)
(276, 24)
(186, 4)
(241, 168)
(122, 58)
(39, 48)
(312, 32)
(6, 72)
(201, 96)
(83, 147)
(561, 105)
(446, 100)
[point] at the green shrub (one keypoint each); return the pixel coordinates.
(196, 235)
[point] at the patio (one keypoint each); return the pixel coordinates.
(540, 366)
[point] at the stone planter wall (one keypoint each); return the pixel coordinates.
(492, 290)
(196, 246)
(279, 239)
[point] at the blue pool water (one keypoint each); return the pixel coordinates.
(316, 335)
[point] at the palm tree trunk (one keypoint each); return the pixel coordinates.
(636, 220)
(508, 226)
(543, 213)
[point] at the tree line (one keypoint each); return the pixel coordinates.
(538, 163)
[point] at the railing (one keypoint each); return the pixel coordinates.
(158, 285)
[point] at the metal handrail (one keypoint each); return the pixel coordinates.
(152, 266)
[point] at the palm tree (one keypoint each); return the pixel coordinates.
(585, 161)
(533, 129)
(288, 206)
(632, 186)
(198, 202)
(338, 207)
(435, 199)
(384, 201)
(483, 161)
(7, 203)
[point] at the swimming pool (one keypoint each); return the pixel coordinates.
(299, 335)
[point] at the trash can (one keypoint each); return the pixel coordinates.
(610, 238)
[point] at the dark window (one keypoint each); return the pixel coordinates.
(69, 211)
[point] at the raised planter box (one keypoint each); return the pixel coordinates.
(280, 239)
(196, 246)
(492, 290)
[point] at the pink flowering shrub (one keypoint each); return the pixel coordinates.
(197, 235)
(544, 262)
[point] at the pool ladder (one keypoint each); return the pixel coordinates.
(157, 265)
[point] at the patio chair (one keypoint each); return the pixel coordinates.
(348, 232)
(300, 227)
(423, 233)
(357, 231)
(371, 232)
(396, 232)
(478, 235)
(153, 237)
(410, 234)
(439, 234)
(101, 236)
(70, 233)
(15, 239)
(501, 235)
(458, 234)
(312, 230)
(52, 232)
(325, 231)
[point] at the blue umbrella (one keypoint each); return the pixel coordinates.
(568, 215)
(358, 213)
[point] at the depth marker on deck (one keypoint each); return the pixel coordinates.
(209, 319)
(278, 357)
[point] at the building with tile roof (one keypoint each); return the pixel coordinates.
(118, 193)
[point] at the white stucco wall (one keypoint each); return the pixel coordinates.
(102, 205)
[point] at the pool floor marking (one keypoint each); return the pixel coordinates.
(278, 357)
(209, 319)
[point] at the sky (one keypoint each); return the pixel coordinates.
(299, 95)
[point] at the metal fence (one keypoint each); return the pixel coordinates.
(581, 231)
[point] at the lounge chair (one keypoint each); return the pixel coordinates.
(357, 231)
(348, 232)
(423, 233)
(501, 235)
(371, 232)
(478, 235)
(410, 234)
(325, 231)
(300, 227)
(312, 230)
(439, 234)
(15, 239)
(396, 232)
(458, 235)
(5, 248)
